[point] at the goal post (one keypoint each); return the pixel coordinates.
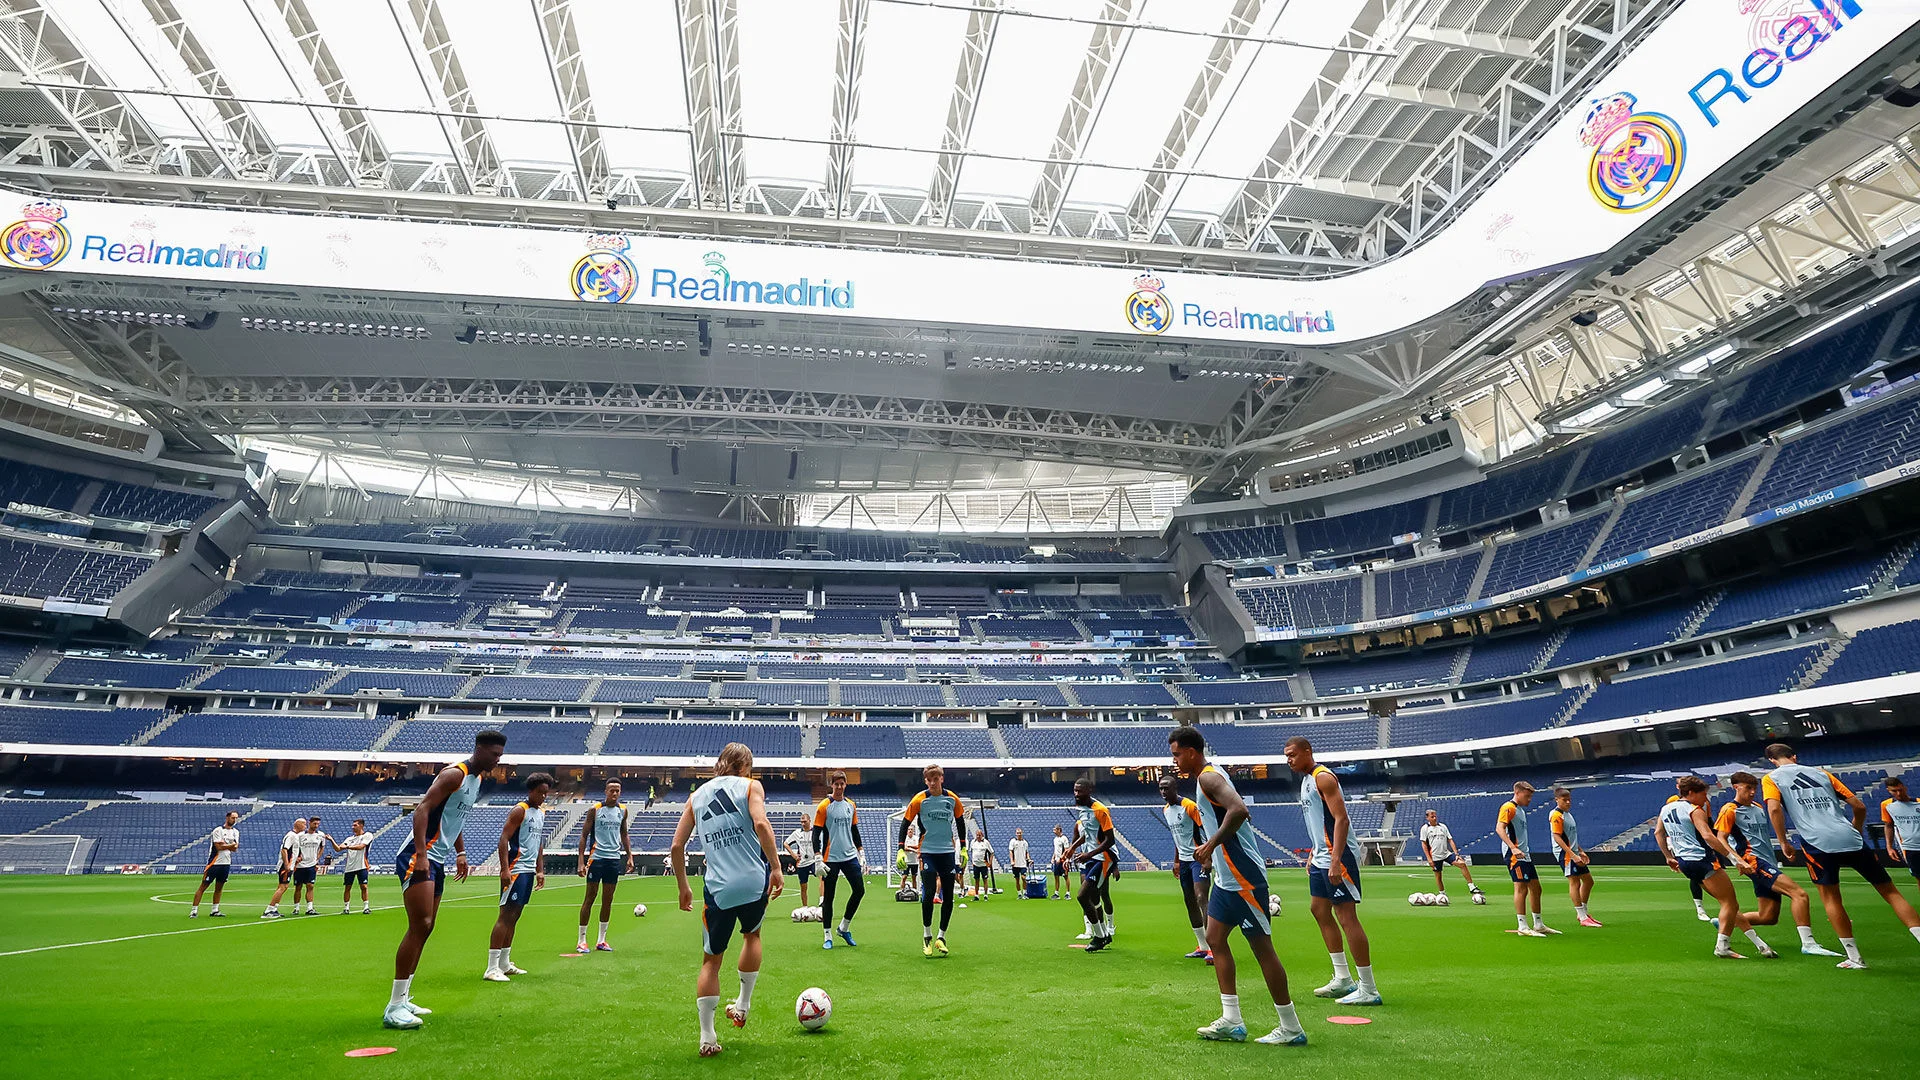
(36, 853)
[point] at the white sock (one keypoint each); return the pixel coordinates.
(1754, 936)
(196, 910)
(1230, 1007)
(603, 933)
(1538, 922)
(216, 909)
(708, 1006)
(1365, 972)
(506, 958)
(1200, 938)
(583, 936)
(1914, 930)
(1806, 936)
(1699, 908)
(1340, 967)
(493, 960)
(747, 979)
(926, 933)
(1580, 910)
(1107, 927)
(1723, 943)
(1852, 948)
(827, 933)
(1522, 920)
(942, 935)
(366, 905)
(402, 989)
(846, 924)
(1289, 1020)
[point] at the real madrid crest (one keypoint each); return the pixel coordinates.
(1148, 309)
(604, 273)
(1637, 156)
(37, 241)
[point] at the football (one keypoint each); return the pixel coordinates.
(1442, 900)
(813, 1008)
(1480, 899)
(1273, 906)
(1413, 899)
(639, 911)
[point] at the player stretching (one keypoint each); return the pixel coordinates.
(1573, 858)
(422, 864)
(836, 838)
(523, 852)
(289, 854)
(603, 840)
(1512, 829)
(1743, 824)
(1238, 897)
(943, 830)
(1183, 821)
(1685, 837)
(1814, 800)
(1093, 841)
(1060, 884)
(1021, 860)
(222, 844)
(1436, 840)
(742, 874)
(1333, 877)
(353, 866)
(1900, 814)
(1693, 887)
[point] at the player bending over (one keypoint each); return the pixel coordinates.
(942, 820)
(1743, 825)
(603, 840)
(1512, 829)
(1688, 843)
(836, 838)
(523, 852)
(1900, 814)
(221, 846)
(1333, 877)
(1238, 897)
(1021, 860)
(438, 821)
(1813, 800)
(289, 854)
(1573, 858)
(1436, 840)
(1093, 842)
(1060, 884)
(353, 866)
(742, 874)
(1183, 821)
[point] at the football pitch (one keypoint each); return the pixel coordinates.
(106, 976)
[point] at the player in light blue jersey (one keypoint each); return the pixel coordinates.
(1899, 817)
(1333, 877)
(742, 874)
(605, 854)
(1238, 899)
(836, 839)
(522, 852)
(1828, 818)
(1743, 824)
(941, 818)
(1511, 826)
(437, 824)
(1689, 843)
(1182, 816)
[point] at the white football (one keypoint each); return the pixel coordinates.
(639, 911)
(1413, 899)
(1273, 906)
(1480, 899)
(1442, 900)
(813, 1008)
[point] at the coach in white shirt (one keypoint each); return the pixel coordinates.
(220, 848)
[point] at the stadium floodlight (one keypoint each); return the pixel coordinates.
(22, 853)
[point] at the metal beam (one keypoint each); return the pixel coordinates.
(848, 56)
(1474, 41)
(256, 149)
(1104, 49)
(569, 71)
(1433, 98)
(1147, 210)
(710, 62)
(38, 47)
(357, 146)
(466, 134)
(982, 20)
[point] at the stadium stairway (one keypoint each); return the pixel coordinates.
(591, 688)
(147, 736)
(1754, 480)
(1822, 662)
(1138, 855)
(1600, 537)
(1545, 657)
(809, 740)
(1303, 689)
(1458, 671)
(1479, 580)
(327, 684)
(393, 730)
(597, 735)
(1000, 748)
(1565, 716)
(1691, 624)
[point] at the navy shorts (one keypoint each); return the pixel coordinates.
(717, 924)
(1913, 861)
(304, 875)
(216, 874)
(1521, 871)
(1346, 891)
(1444, 860)
(1824, 866)
(605, 871)
(1097, 871)
(1569, 868)
(938, 862)
(849, 869)
(1698, 869)
(1763, 876)
(419, 871)
(353, 876)
(1248, 912)
(1189, 872)
(518, 893)
(804, 871)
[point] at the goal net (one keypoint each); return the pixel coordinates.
(41, 854)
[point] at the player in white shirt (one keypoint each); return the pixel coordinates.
(353, 866)
(798, 855)
(222, 844)
(288, 854)
(1021, 861)
(1436, 840)
(310, 848)
(1060, 846)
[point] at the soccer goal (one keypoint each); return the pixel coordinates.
(34, 853)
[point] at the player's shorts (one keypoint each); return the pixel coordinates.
(1913, 861)
(717, 924)
(979, 874)
(216, 874)
(1522, 871)
(938, 862)
(353, 876)
(518, 893)
(1698, 869)
(805, 870)
(1189, 873)
(1569, 868)
(286, 877)
(305, 875)
(1444, 860)
(1097, 871)
(1346, 891)
(1232, 908)
(412, 871)
(1824, 866)
(1763, 876)
(1020, 872)
(605, 871)
(1059, 868)
(848, 868)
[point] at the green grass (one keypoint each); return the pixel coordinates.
(242, 998)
